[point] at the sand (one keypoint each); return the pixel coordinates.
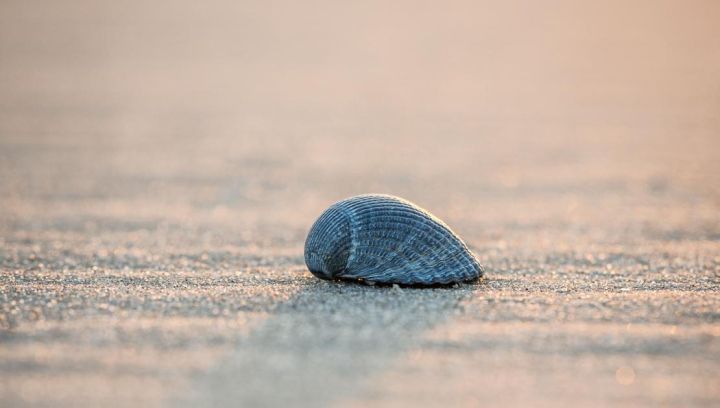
(161, 164)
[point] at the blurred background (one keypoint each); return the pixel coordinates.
(245, 104)
(158, 139)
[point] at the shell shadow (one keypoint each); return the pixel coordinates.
(326, 342)
(454, 285)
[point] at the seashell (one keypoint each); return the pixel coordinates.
(385, 239)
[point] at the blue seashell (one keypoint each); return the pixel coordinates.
(385, 239)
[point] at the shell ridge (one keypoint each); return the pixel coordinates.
(353, 240)
(358, 209)
(326, 245)
(422, 231)
(442, 245)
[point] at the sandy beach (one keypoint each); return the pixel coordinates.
(161, 164)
